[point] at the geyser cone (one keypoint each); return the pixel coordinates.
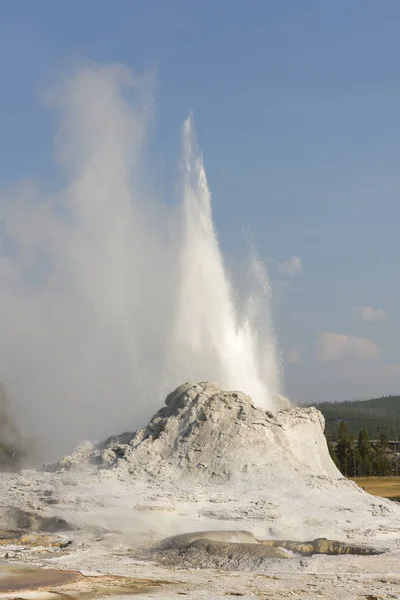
(204, 434)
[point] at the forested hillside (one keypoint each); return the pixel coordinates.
(377, 416)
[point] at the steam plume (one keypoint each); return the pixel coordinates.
(108, 299)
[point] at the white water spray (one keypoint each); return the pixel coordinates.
(107, 299)
(212, 339)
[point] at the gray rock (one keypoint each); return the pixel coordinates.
(206, 434)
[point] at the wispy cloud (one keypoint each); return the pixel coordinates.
(292, 266)
(332, 347)
(370, 314)
(294, 356)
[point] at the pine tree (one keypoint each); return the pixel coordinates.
(382, 464)
(10, 440)
(332, 450)
(365, 453)
(342, 449)
(351, 462)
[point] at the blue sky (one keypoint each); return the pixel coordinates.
(296, 107)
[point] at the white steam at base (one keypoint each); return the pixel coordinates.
(109, 300)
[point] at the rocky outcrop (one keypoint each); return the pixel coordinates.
(236, 539)
(206, 434)
(241, 550)
(17, 519)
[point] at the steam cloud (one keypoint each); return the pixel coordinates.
(109, 299)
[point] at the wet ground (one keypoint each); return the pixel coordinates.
(15, 578)
(116, 524)
(20, 582)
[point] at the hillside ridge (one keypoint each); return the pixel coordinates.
(376, 415)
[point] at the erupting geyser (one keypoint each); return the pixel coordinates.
(108, 299)
(210, 335)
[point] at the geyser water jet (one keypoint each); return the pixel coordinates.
(108, 299)
(210, 334)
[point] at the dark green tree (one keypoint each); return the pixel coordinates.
(332, 450)
(365, 454)
(11, 451)
(382, 464)
(343, 449)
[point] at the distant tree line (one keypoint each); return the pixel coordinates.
(355, 456)
(376, 416)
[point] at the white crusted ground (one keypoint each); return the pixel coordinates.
(267, 474)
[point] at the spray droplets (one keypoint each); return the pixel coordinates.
(102, 311)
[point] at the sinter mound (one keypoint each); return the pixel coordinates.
(208, 435)
(242, 551)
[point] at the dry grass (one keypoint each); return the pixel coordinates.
(386, 487)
